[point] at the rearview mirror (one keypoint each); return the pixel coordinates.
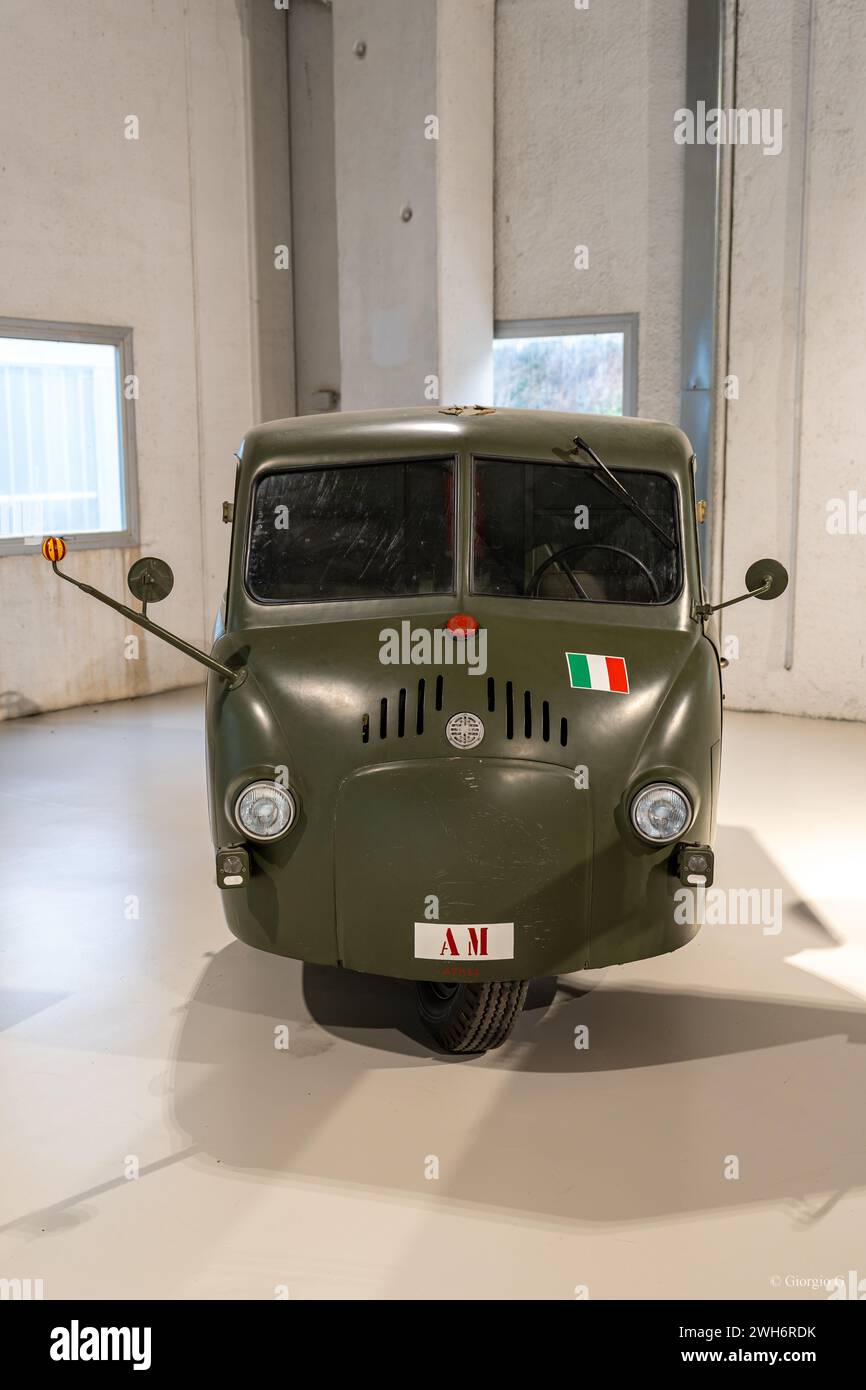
(150, 580)
(764, 579)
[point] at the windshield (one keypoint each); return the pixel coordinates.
(556, 531)
(375, 530)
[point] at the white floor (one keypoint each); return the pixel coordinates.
(148, 1042)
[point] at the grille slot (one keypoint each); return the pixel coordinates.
(419, 717)
(383, 718)
(563, 731)
(401, 715)
(527, 714)
(491, 694)
(440, 690)
(509, 710)
(545, 721)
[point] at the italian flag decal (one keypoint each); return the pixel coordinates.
(589, 672)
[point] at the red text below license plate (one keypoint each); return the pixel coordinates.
(468, 941)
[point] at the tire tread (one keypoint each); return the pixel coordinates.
(484, 1016)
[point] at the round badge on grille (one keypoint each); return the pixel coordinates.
(464, 731)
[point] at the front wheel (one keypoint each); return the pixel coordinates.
(471, 1018)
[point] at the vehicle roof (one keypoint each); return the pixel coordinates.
(430, 431)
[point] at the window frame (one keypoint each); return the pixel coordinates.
(583, 324)
(110, 336)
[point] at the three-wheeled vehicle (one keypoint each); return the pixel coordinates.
(464, 709)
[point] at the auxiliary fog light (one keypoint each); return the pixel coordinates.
(695, 865)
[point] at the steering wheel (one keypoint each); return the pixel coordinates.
(539, 574)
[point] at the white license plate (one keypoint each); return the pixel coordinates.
(467, 941)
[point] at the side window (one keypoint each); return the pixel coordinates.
(67, 435)
(584, 364)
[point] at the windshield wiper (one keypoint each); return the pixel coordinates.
(613, 484)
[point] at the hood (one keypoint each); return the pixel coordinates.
(333, 697)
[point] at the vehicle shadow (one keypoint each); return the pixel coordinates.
(639, 1125)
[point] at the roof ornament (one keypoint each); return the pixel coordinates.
(467, 410)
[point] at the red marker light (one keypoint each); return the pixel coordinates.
(462, 624)
(54, 548)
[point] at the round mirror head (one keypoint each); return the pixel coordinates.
(762, 571)
(150, 579)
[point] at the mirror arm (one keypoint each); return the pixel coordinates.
(234, 678)
(703, 610)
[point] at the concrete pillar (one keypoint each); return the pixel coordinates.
(270, 211)
(413, 137)
(315, 257)
(465, 201)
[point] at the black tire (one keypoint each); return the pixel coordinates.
(471, 1018)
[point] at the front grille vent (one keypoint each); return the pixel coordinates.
(386, 721)
(524, 717)
(520, 713)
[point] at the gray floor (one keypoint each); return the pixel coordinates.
(157, 1144)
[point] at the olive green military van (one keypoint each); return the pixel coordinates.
(464, 709)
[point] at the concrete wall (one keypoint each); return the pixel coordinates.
(315, 260)
(828, 675)
(465, 107)
(152, 233)
(384, 165)
(585, 156)
(174, 235)
(266, 98)
(413, 141)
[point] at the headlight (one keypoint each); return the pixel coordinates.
(265, 810)
(661, 812)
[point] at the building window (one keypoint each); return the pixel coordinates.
(67, 435)
(583, 364)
